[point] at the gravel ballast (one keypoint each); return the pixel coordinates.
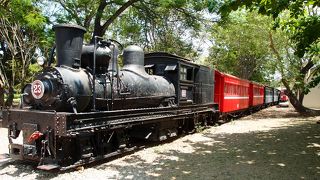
(275, 143)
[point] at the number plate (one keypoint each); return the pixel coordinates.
(37, 89)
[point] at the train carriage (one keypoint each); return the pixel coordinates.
(276, 96)
(231, 93)
(268, 95)
(256, 94)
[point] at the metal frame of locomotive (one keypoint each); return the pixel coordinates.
(86, 109)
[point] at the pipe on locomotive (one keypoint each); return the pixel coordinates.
(94, 95)
(99, 42)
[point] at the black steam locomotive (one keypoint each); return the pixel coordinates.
(86, 109)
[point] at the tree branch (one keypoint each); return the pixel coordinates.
(117, 13)
(307, 67)
(73, 12)
(276, 52)
(99, 29)
(272, 46)
(97, 21)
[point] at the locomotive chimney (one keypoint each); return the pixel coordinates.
(133, 59)
(69, 40)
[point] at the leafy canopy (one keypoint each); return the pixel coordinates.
(304, 19)
(157, 25)
(300, 21)
(241, 46)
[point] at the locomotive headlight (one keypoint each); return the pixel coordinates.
(40, 60)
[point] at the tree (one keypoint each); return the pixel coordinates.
(299, 20)
(240, 46)
(21, 44)
(145, 22)
(21, 27)
(169, 27)
(3, 79)
(98, 14)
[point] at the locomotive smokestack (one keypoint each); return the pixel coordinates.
(69, 40)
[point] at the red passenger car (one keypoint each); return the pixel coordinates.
(283, 96)
(231, 93)
(256, 93)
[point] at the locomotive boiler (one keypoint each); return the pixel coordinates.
(87, 78)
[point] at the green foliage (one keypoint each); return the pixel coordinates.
(159, 29)
(306, 34)
(29, 17)
(24, 12)
(157, 25)
(22, 30)
(299, 21)
(32, 71)
(241, 46)
(35, 20)
(302, 20)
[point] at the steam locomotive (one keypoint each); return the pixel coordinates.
(86, 108)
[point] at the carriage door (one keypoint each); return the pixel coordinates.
(186, 84)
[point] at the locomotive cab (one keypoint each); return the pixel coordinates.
(194, 83)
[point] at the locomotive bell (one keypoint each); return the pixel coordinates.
(69, 40)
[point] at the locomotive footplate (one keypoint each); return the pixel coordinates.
(76, 123)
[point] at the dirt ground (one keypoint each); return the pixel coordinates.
(274, 143)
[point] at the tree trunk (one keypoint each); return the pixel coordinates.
(10, 97)
(297, 104)
(100, 30)
(301, 97)
(97, 29)
(1, 97)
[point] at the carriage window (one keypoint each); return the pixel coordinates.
(257, 91)
(183, 73)
(190, 74)
(232, 89)
(171, 67)
(186, 73)
(149, 69)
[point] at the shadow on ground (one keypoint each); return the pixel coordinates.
(274, 112)
(290, 153)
